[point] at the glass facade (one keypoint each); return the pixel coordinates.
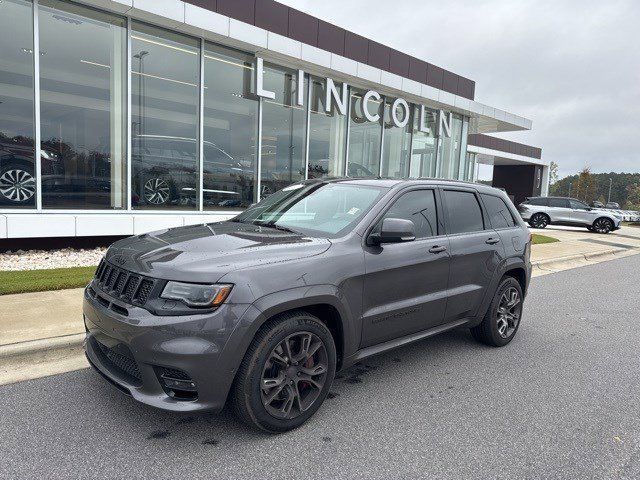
(283, 130)
(135, 117)
(165, 93)
(230, 129)
(17, 165)
(424, 141)
(449, 148)
(82, 107)
(396, 146)
(364, 136)
(327, 135)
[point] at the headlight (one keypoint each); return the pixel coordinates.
(197, 295)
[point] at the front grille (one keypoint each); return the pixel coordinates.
(123, 284)
(144, 291)
(120, 359)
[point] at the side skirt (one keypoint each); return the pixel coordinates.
(399, 342)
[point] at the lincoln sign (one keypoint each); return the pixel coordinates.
(400, 112)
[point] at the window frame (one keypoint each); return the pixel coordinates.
(440, 212)
(513, 218)
(485, 219)
(566, 200)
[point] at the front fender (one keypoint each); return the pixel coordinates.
(273, 304)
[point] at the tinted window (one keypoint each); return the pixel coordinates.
(578, 205)
(418, 206)
(559, 202)
(465, 214)
(498, 211)
(537, 201)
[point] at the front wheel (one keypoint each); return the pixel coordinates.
(502, 320)
(286, 373)
(602, 225)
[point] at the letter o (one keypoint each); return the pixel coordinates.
(394, 115)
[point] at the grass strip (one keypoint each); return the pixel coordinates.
(24, 281)
(540, 239)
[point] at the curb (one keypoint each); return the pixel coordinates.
(586, 257)
(41, 346)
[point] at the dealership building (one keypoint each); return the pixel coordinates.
(118, 117)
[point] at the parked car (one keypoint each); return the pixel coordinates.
(17, 171)
(165, 172)
(597, 204)
(543, 211)
(613, 205)
(265, 308)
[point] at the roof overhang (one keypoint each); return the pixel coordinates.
(488, 156)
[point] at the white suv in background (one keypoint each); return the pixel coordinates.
(543, 211)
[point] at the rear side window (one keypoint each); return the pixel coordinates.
(419, 206)
(499, 212)
(540, 201)
(465, 214)
(559, 202)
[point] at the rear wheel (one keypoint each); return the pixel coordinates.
(286, 373)
(502, 320)
(602, 225)
(539, 220)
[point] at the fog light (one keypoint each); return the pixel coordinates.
(176, 383)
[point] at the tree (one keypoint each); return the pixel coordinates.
(584, 187)
(633, 196)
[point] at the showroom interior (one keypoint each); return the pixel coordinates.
(121, 117)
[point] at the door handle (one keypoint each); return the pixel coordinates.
(437, 249)
(492, 241)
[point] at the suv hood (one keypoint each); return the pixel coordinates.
(205, 253)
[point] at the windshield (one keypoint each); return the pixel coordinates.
(327, 210)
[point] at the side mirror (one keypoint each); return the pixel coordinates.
(394, 230)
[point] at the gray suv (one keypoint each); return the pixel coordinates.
(543, 211)
(262, 310)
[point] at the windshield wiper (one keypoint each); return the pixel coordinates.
(276, 226)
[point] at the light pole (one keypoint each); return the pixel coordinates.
(610, 184)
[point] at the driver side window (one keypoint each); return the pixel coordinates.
(419, 206)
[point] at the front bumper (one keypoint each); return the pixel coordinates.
(139, 346)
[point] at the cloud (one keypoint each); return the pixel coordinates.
(571, 66)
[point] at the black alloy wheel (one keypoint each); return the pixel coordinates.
(539, 220)
(602, 225)
(294, 375)
(501, 322)
(286, 373)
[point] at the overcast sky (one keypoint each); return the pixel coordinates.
(571, 66)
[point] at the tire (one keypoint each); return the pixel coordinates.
(602, 225)
(489, 331)
(269, 379)
(539, 220)
(17, 184)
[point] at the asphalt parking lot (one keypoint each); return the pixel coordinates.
(561, 401)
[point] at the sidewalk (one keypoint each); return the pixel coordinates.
(41, 333)
(579, 247)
